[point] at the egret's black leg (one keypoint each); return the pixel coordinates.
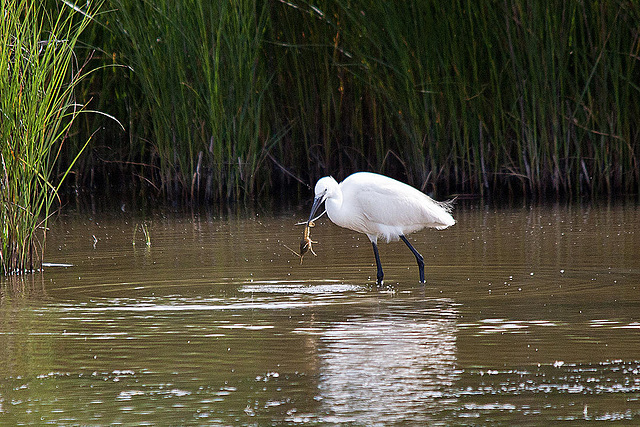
(419, 258)
(378, 265)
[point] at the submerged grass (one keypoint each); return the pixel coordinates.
(231, 99)
(38, 74)
(145, 232)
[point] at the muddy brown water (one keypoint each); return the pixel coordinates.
(530, 315)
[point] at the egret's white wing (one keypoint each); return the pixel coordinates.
(397, 205)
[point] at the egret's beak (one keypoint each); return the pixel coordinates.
(316, 204)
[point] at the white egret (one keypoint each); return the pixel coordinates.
(381, 207)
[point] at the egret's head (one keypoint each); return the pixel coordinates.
(325, 188)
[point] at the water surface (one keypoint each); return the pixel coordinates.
(529, 315)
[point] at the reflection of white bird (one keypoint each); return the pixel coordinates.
(407, 361)
(379, 206)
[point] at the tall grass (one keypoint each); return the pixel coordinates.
(203, 81)
(511, 96)
(38, 73)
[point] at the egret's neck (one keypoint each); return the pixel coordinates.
(334, 207)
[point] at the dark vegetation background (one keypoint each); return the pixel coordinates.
(230, 100)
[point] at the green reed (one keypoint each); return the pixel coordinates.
(478, 97)
(38, 73)
(513, 96)
(203, 82)
(514, 93)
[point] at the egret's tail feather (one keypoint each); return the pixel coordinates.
(445, 219)
(447, 205)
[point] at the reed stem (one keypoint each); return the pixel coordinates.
(38, 74)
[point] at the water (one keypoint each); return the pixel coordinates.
(529, 316)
